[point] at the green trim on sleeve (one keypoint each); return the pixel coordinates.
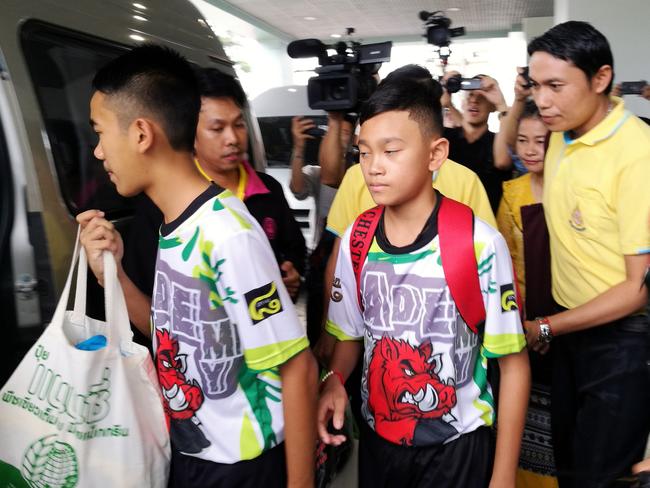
(271, 356)
(336, 331)
(499, 345)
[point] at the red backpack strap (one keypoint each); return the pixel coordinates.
(456, 235)
(363, 230)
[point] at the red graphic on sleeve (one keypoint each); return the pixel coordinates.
(405, 390)
(182, 398)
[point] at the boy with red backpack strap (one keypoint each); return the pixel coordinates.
(427, 403)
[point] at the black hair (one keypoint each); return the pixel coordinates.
(410, 88)
(530, 111)
(215, 84)
(155, 81)
(578, 42)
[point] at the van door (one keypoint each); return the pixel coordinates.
(19, 298)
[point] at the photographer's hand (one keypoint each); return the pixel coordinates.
(298, 127)
(453, 118)
(491, 91)
(445, 100)
(522, 90)
(507, 135)
(331, 153)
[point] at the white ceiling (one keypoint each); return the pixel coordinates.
(385, 18)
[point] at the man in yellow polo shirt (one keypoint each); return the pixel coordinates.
(597, 202)
(452, 180)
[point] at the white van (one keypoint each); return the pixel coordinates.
(274, 110)
(49, 52)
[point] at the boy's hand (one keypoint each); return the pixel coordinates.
(99, 235)
(331, 405)
(290, 278)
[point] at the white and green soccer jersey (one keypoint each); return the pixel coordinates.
(223, 323)
(425, 372)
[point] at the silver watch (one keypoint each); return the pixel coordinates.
(545, 333)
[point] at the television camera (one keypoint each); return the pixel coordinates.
(344, 79)
(439, 32)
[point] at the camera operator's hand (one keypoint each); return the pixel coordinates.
(492, 93)
(522, 90)
(445, 100)
(299, 127)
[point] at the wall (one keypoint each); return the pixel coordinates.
(625, 24)
(260, 58)
(535, 26)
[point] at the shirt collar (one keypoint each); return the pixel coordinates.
(605, 128)
(254, 184)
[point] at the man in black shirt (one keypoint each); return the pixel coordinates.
(471, 143)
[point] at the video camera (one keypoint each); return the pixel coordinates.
(456, 83)
(345, 79)
(439, 31)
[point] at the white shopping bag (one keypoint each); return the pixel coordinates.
(89, 419)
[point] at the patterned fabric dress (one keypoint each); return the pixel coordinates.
(536, 462)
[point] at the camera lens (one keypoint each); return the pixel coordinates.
(453, 84)
(339, 91)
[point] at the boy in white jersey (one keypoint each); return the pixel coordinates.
(234, 367)
(427, 404)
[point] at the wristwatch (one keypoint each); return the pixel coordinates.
(545, 332)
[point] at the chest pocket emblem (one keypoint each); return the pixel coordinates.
(576, 220)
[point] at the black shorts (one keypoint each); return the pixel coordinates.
(267, 470)
(463, 463)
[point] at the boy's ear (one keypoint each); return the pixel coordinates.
(143, 134)
(438, 152)
(602, 78)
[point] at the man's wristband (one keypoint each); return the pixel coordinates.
(331, 372)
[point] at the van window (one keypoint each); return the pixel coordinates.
(62, 64)
(278, 142)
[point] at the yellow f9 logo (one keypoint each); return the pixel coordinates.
(508, 298)
(263, 302)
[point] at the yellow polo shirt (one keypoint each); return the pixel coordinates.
(453, 180)
(597, 203)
